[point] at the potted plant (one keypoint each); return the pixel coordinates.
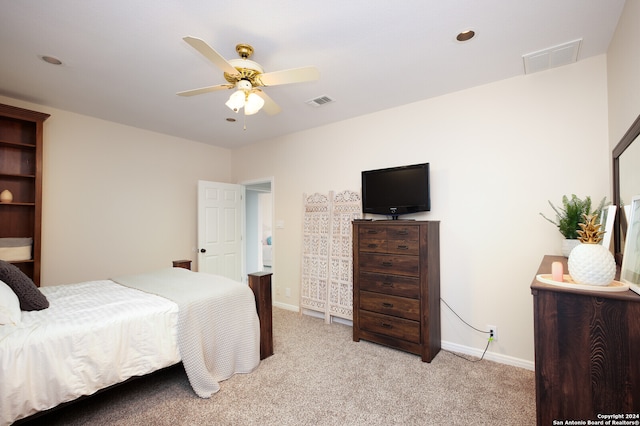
(570, 216)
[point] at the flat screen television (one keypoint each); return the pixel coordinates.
(397, 190)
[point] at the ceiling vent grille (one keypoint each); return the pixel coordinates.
(320, 100)
(552, 57)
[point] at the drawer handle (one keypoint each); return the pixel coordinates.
(403, 247)
(387, 263)
(403, 232)
(387, 284)
(372, 231)
(372, 245)
(387, 305)
(386, 325)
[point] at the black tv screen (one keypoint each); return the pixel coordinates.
(396, 190)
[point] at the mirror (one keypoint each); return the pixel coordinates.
(626, 182)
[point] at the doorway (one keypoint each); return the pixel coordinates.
(260, 242)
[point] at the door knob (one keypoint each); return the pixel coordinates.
(203, 250)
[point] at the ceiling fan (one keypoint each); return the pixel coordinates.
(247, 77)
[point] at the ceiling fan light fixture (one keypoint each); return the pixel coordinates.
(236, 100)
(244, 85)
(247, 76)
(253, 104)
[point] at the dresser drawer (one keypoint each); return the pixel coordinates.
(389, 246)
(390, 326)
(410, 232)
(373, 245)
(389, 264)
(390, 284)
(369, 232)
(391, 305)
(403, 247)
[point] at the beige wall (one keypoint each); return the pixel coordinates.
(117, 199)
(498, 152)
(623, 68)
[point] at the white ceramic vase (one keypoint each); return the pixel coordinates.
(591, 264)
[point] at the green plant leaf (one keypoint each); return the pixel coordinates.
(570, 215)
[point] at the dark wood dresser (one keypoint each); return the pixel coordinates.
(396, 285)
(587, 352)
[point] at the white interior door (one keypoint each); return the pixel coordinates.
(220, 229)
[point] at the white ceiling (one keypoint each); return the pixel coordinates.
(124, 60)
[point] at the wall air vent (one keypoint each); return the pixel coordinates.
(552, 57)
(320, 100)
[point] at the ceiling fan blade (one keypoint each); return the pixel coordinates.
(294, 75)
(270, 107)
(208, 89)
(209, 53)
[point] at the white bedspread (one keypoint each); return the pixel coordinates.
(69, 350)
(218, 326)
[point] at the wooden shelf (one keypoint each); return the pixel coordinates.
(21, 138)
(16, 176)
(16, 262)
(20, 145)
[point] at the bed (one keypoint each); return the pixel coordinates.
(96, 334)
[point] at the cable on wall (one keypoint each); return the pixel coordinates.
(476, 329)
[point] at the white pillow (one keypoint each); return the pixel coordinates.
(9, 306)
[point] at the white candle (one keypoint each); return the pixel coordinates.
(557, 271)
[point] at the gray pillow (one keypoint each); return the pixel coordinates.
(30, 297)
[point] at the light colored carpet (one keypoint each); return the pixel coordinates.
(319, 376)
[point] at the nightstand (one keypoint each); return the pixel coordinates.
(186, 264)
(260, 284)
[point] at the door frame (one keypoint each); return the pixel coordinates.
(256, 184)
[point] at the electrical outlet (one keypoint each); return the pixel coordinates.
(493, 330)
(287, 292)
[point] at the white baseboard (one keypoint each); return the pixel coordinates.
(286, 306)
(491, 356)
